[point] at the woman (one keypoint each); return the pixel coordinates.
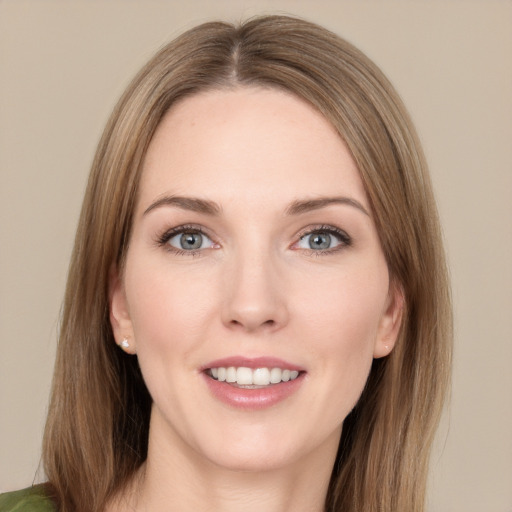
(257, 310)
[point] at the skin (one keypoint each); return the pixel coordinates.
(255, 288)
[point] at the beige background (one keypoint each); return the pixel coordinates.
(63, 65)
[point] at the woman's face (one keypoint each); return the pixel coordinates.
(255, 292)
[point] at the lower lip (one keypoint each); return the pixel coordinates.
(253, 399)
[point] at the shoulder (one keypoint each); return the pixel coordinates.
(32, 499)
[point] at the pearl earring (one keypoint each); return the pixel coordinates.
(125, 344)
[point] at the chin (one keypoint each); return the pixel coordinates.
(250, 456)
(253, 463)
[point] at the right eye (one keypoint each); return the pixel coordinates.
(190, 241)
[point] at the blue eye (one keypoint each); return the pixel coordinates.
(189, 241)
(323, 240)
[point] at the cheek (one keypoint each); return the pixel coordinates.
(347, 306)
(167, 309)
(168, 312)
(343, 325)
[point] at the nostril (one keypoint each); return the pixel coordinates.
(252, 325)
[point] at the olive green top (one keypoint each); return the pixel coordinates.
(32, 499)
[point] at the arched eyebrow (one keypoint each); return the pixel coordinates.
(298, 207)
(193, 204)
(207, 207)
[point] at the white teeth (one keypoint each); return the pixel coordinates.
(275, 375)
(244, 376)
(261, 376)
(231, 374)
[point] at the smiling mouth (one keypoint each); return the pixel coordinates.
(252, 378)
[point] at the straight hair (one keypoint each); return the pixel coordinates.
(96, 434)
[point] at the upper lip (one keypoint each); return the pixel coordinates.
(252, 362)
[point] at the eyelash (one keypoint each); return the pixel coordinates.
(344, 239)
(163, 239)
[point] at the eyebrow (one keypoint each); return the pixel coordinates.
(186, 203)
(207, 207)
(298, 207)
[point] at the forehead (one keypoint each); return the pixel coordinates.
(248, 141)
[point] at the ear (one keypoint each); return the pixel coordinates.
(119, 313)
(390, 322)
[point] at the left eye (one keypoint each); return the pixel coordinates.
(190, 241)
(321, 241)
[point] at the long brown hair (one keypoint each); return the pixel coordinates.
(97, 429)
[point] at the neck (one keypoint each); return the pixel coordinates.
(175, 479)
(229, 491)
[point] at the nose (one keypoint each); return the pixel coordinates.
(254, 295)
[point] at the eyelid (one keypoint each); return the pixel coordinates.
(343, 237)
(163, 239)
(176, 230)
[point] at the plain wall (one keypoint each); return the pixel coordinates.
(63, 64)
